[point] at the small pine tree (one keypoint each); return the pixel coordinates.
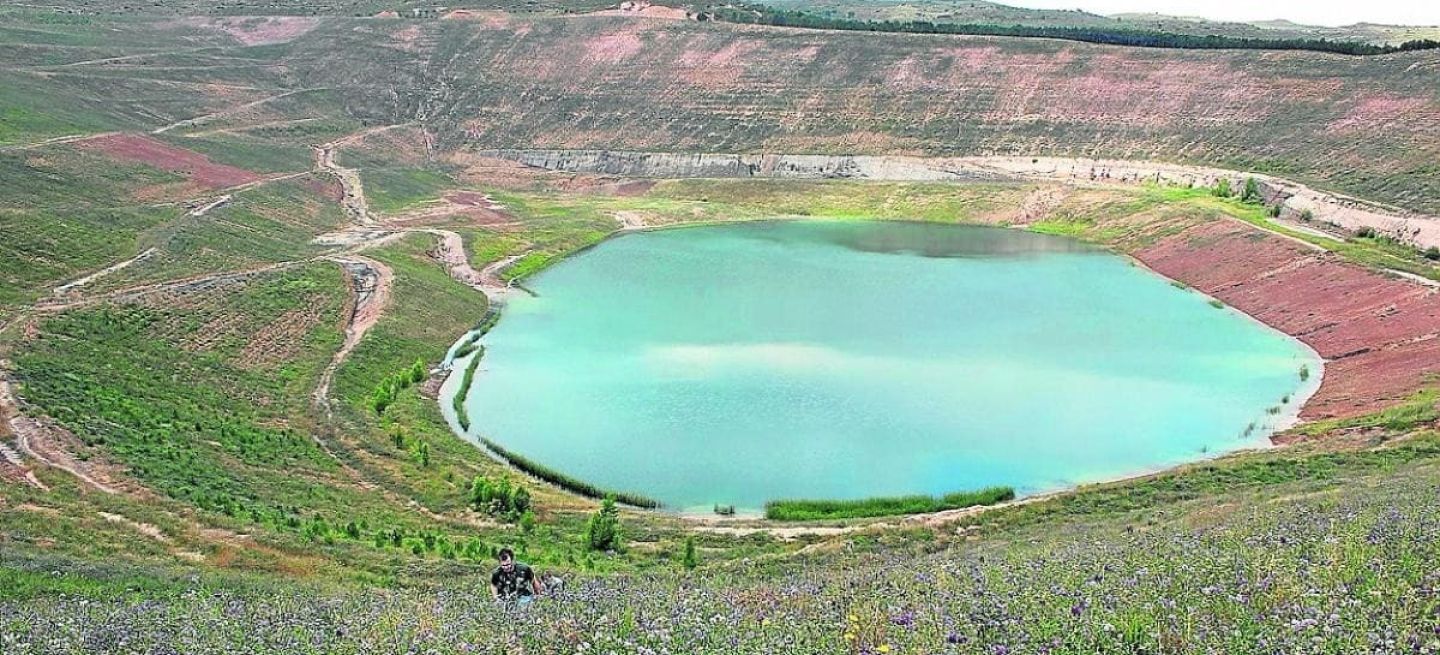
(1222, 188)
(602, 532)
(421, 453)
(417, 371)
(527, 521)
(380, 399)
(691, 560)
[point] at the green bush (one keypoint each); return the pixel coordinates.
(602, 532)
(1251, 192)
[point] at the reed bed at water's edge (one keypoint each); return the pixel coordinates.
(814, 510)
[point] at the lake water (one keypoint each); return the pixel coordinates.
(742, 363)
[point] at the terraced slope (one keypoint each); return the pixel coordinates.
(1367, 126)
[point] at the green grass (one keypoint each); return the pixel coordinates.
(1421, 408)
(392, 190)
(819, 510)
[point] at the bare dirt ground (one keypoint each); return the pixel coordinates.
(145, 150)
(80, 282)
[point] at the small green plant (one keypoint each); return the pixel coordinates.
(1222, 188)
(725, 510)
(690, 560)
(1304, 372)
(1432, 253)
(1217, 304)
(420, 452)
(602, 532)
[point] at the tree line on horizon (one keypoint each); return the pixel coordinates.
(754, 14)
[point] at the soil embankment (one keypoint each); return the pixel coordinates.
(1377, 333)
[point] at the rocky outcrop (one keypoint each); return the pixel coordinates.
(714, 165)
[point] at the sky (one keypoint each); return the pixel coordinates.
(1312, 12)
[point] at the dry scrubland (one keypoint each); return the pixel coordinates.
(179, 267)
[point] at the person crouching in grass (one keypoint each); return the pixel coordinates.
(514, 581)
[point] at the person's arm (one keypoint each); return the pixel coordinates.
(494, 592)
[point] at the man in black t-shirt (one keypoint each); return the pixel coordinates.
(513, 580)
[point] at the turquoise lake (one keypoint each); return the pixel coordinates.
(742, 363)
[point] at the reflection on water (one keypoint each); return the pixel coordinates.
(925, 239)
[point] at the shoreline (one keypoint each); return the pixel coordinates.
(1287, 418)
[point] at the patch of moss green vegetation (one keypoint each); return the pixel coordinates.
(392, 190)
(927, 201)
(819, 510)
(1418, 410)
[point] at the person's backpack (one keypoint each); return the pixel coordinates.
(554, 585)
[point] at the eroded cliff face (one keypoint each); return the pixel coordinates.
(718, 165)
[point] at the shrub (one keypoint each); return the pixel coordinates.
(1222, 188)
(1304, 372)
(418, 372)
(499, 497)
(1432, 253)
(421, 453)
(1252, 191)
(1366, 232)
(602, 532)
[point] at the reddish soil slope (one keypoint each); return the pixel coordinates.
(197, 167)
(1377, 333)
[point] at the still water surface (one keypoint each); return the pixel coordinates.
(824, 359)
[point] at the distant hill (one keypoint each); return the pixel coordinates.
(992, 13)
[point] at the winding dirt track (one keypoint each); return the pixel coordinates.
(370, 283)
